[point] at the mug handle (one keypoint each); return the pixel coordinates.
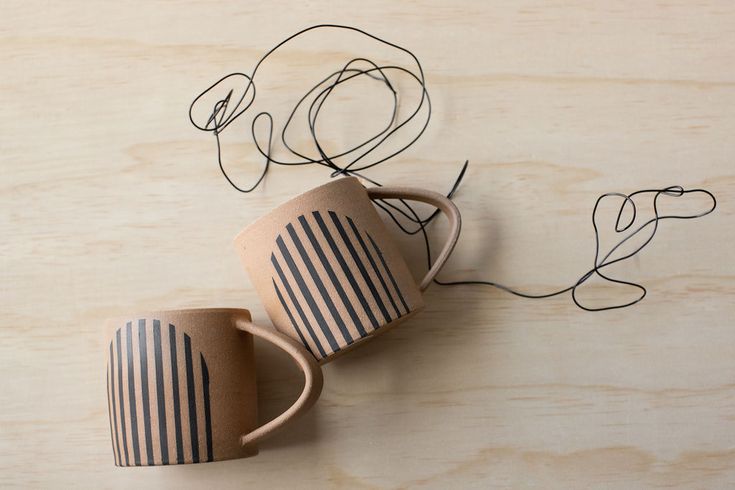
(313, 379)
(437, 200)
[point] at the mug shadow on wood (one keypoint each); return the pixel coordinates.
(439, 337)
(280, 382)
(443, 335)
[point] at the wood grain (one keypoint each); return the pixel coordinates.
(112, 202)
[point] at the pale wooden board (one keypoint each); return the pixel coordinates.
(112, 202)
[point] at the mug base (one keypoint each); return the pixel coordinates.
(371, 335)
(246, 452)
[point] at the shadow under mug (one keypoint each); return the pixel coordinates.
(181, 386)
(327, 270)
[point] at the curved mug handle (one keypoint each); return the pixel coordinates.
(437, 200)
(313, 379)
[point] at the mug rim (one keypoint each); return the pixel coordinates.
(186, 311)
(289, 202)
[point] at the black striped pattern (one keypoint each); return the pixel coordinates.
(319, 255)
(155, 388)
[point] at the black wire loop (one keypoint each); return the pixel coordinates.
(240, 96)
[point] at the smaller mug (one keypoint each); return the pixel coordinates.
(181, 386)
(328, 272)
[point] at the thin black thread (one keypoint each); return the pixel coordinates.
(226, 110)
(606, 260)
(361, 158)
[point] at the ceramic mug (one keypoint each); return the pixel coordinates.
(328, 272)
(181, 386)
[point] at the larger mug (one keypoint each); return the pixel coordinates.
(327, 270)
(181, 386)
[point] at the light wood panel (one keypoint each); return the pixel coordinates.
(112, 202)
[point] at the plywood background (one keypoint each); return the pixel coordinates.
(110, 201)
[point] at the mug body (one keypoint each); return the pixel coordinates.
(181, 387)
(327, 270)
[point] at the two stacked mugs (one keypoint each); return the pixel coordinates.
(181, 385)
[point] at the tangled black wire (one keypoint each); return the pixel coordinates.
(606, 261)
(220, 114)
(226, 111)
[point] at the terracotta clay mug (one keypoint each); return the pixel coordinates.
(328, 272)
(181, 386)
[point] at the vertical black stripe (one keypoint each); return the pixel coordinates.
(143, 341)
(345, 269)
(296, 304)
(319, 284)
(360, 265)
(160, 393)
(290, 316)
(332, 276)
(114, 407)
(177, 400)
(131, 394)
(109, 412)
(120, 395)
(307, 294)
(192, 400)
(390, 275)
(207, 412)
(373, 264)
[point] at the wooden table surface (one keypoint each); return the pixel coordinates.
(112, 202)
